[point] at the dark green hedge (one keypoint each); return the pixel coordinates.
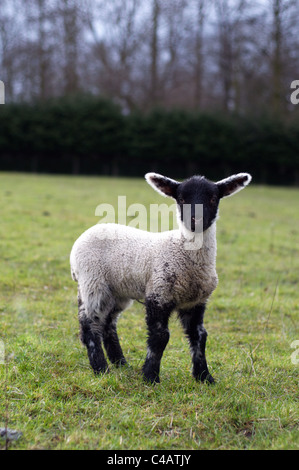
(89, 135)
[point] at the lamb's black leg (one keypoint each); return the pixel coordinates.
(192, 321)
(90, 335)
(111, 341)
(158, 335)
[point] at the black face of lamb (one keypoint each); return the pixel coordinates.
(198, 200)
(198, 192)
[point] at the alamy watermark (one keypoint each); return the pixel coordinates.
(295, 94)
(161, 217)
(295, 354)
(2, 92)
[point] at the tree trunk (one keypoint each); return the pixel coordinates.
(42, 66)
(277, 58)
(154, 53)
(70, 24)
(198, 72)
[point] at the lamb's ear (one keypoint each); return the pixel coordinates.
(233, 184)
(162, 184)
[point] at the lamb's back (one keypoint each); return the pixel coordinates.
(117, 255)
(136, 264)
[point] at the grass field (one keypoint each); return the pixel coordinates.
(48, 391)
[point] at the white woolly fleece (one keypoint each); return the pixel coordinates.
(114, 264)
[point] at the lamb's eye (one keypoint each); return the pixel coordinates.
(181, 200)
(213, 200)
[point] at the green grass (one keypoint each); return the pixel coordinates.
(50, 393)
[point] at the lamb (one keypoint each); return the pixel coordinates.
(116, 264)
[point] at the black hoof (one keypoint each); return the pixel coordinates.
(150, 376)
(120, 362)
(101, 370)
(205, 377)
